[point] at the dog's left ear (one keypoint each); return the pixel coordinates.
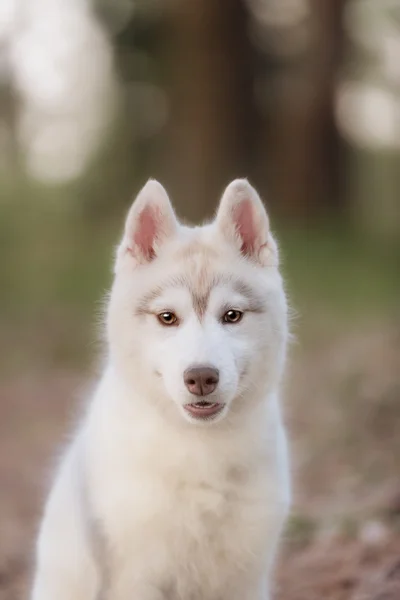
(151, 221)
(243, 221)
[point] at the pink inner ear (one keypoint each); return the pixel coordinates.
(243, 218)
(146, 231)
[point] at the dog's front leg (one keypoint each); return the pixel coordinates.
(65, 568)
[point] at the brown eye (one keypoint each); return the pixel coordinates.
(232, 316)
(167, 318)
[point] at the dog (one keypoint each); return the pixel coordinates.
(176, 485)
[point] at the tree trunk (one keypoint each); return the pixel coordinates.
(209, 139)
(305, 143)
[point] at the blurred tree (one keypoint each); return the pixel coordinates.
(306, 148)
(218, 127)
(210, 137)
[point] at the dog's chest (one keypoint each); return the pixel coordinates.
(189, 530)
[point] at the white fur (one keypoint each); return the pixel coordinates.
(150, 504)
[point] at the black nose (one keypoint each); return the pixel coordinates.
(201, 380)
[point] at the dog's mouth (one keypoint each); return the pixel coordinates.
(203, 409)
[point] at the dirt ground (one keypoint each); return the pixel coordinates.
(343, 412)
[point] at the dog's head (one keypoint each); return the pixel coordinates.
(198, 317)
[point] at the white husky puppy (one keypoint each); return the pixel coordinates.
(176, 485)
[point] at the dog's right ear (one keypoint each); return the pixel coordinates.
(151, 221)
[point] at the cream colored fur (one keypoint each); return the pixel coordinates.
(149, 503)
